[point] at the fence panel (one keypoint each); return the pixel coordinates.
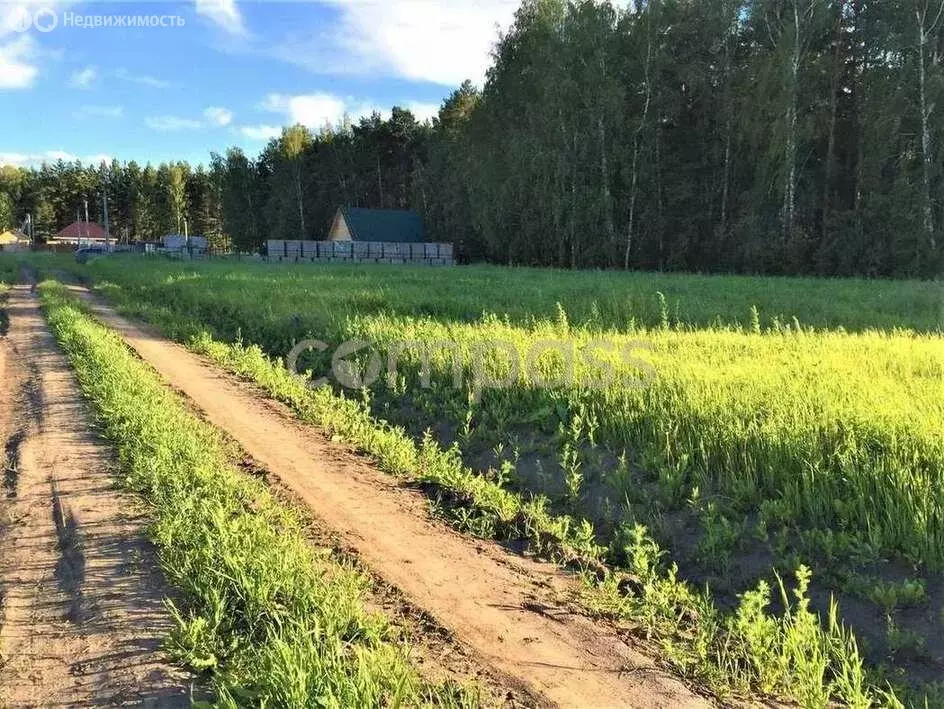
(427, 254)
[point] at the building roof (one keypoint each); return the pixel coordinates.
(82, 230)
(390, 225)
(12, 236)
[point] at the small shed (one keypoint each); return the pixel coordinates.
(13, 239)
(377, 226)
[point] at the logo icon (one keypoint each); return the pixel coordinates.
(18, 19)
(45, 20)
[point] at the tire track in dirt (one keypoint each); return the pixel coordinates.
(23, 410)
(82, 616)
(9, 385)
(505, 608)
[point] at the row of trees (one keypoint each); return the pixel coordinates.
(753, 135)
(290, 191)
(143, 202)
(775, 136)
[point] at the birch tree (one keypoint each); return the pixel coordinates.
(295, 141)
(927, 14)
(644, 19)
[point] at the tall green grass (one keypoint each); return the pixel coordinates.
(789, 655)
(8, 273)
(605, 300)
(806, 410)
(822, 428)
(273, 621)
(8, 268)
(7, 276)
(814, 430)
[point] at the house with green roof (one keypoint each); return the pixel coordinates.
(377, 226)
(366, 236)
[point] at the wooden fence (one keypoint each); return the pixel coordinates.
(360, 252)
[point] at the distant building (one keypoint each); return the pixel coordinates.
(377, 225)
(363, 236)
(13, 240)
(80, 234)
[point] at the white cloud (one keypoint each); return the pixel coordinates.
(49, 156)
(261, 132)
(320, 110)
(218, 116)
(423, 111)
(169, 124)
(97, 158)
(224, 13)
(17, 70)
(143, 79)
(83, 78)
(19, 49)
(99, 112)
(440, 41)
(313, 110)
(59, 155)
(214, 116)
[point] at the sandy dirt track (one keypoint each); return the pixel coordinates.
(502, 607)
(82, 615)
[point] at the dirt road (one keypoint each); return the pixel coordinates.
(82, 615)
(503, 607)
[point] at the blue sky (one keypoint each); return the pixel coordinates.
(228, 72)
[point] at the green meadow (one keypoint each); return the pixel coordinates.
(721, 435)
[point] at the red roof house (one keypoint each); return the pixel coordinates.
(81, 231)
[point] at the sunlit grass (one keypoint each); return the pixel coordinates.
(812, 406)
(835, 430)
(825, 427)
(272, 621)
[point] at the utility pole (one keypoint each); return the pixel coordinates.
(88, 233)
(105, 207)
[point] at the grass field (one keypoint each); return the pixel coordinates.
(759, 426)
(270, 620)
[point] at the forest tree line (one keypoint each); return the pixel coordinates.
(757, 136)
